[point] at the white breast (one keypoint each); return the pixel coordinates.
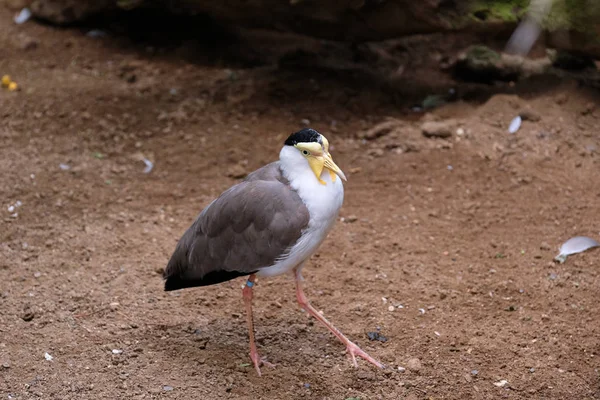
(323, 203)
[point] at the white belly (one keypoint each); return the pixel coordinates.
(323, 203)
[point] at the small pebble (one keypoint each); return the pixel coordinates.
(391, 308)
(414, 364)
(401, 369)
(28, 316)
(474, 372)
(117, 351)
(432, 129)
(167, 388)
(307, 385)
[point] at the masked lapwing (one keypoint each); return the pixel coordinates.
(269, 224)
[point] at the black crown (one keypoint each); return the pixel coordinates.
(306, 135)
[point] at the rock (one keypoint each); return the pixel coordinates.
(351, 218)
(571, 61)
(237, 172)
(545, 246)
(63, 12)
(414, 365)
(375, 153)
(358, 21)
(28, 316)
(432, 129)
(380, 130)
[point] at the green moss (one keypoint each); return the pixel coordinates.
(498, 10)
(579, 15)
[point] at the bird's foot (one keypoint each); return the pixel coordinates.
(354, 351)
(259, 361)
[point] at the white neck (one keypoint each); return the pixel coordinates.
(323, 201)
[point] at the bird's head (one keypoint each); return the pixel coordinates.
(313, 148)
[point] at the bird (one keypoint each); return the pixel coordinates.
(268, 224)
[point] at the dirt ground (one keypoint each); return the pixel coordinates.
(444, 246)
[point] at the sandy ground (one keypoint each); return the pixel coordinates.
(444, 246)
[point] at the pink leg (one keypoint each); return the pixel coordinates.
(247, 294)
(352, 348)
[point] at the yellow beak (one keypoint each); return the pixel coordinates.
(318, 163)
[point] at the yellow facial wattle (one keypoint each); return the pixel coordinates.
(318, 158)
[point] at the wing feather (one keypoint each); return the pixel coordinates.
(245, 229)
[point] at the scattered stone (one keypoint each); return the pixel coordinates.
(501, 383)
(376, 153)
(414, 364)
(482, 64)
(237, 172)
(114, 306)
(28, 316)
(376, 336)
(6, 365)
(474, 372)
(545, 246)
(167, 388)
(117, 351)
(380, 130)
(351, 218)
(401, 369)
(433, 129)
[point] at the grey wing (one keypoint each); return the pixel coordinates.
(247, 228)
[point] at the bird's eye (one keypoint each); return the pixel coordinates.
(305, 152)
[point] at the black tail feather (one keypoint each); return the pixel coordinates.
(176, 282)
